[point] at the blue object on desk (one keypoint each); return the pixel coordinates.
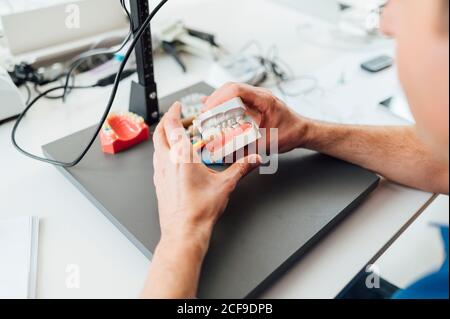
(206, 159)
(434, 286)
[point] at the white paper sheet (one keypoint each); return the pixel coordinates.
(18, 257)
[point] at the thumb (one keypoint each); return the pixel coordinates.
(242, 168)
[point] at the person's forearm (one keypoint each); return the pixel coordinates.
(175, 270)
(396, 153)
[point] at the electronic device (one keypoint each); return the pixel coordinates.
(242, 68)
(32, 35)
(378, 64)
(175, 37)
(271, 220)
(11, 100)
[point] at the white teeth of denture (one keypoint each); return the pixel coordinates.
(222, 124)
(210, 133)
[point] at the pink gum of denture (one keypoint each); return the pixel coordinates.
(223, 139)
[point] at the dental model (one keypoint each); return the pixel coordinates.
(122, 131)
(191, 105)
(226, 129)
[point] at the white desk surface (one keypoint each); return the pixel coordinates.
(74, 232)
(420, 246)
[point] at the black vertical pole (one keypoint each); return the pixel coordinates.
(144, 94)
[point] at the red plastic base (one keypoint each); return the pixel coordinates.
(123, 131)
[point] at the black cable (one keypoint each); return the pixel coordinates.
(82, 59)
(75, 64)
(54, 97)
(124, 6)
(130, 51)
(106, 81)
(9, 119)
(27, 88)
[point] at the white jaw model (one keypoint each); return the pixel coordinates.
(227, 129)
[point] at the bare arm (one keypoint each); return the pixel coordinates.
(191, 198)
(189, 209)
(396, 153)
(175, 269)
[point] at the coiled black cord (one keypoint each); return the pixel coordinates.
(137, 37)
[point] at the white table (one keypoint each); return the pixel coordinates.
(74, 232)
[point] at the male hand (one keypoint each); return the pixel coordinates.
(191, 197)
(267, 110)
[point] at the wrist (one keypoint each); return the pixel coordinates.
(188, 237)
(183, 248)
(303, 132)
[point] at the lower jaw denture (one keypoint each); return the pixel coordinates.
(226, 137)
(123, 131)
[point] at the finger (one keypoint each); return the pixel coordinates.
(204, 108)
(181, 149)
(242, 168)
(253, 97)
(159, 137)
(173, 125)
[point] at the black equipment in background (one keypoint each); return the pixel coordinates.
(144, 94)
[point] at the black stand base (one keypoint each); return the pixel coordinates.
(144, 102)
